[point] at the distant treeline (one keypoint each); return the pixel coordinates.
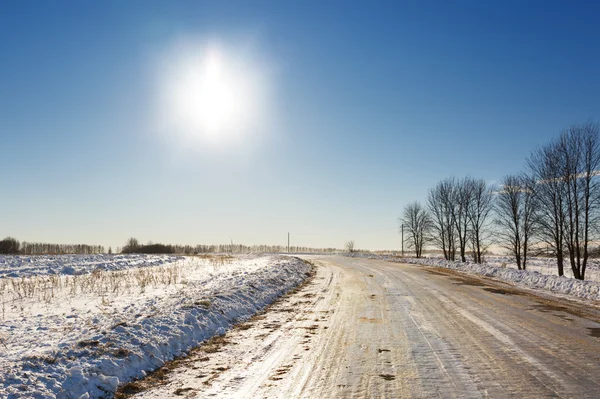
(133, 246)
(11, 246)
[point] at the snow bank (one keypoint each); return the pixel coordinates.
(588, 290)
(85, 345)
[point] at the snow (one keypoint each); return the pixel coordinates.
(537, 276)
(35, 265)
(545, 266)
(84, 324)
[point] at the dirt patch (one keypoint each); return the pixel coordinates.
(370, 320)
(214, 344)
(432, 271)
(88, 343)
(280, 371)
(121, 353)
(129, 389)
(182, 391)
(547, 308)
(562, 316)
(594, 331)
(272, 326)
(496, 291)
(244, 326)
(467, 281)
(155, 378)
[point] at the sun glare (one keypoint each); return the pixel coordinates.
(212, 93)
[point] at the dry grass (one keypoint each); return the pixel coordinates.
(19, 293)
(216, 260)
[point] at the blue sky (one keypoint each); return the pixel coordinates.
(370, 105)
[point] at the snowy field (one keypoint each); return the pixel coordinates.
(546, 266)
(80, 325)
(541, 273)
(38, 265)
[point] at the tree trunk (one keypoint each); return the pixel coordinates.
(560, 262)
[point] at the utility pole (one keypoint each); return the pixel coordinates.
(403, 240)
(288, 242)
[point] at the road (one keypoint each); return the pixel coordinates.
(374, 329)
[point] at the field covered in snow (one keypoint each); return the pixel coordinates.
(545, 266)
(80, 325)
(39, 265)
(541, 273)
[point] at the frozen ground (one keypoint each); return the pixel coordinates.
(82, 325)
(540, 273)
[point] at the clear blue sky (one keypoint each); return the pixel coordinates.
(370, 104)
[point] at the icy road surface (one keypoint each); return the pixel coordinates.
(373, 329)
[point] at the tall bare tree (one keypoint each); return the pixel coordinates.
(440, 204)
(516, 216)
(579, 150)
(569, 194)
(418, 222)
(460, 199)
(479, 209)
(544, 165)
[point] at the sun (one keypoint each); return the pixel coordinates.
(208, 97)
(210, 93)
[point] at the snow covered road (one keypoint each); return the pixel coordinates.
(366, 328)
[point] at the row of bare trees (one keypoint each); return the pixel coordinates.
(455, 219)
(553, 205)
(568, 191)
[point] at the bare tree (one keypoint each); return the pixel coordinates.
(132, 246)
(440, 204)
(479, 208)
(460, 199)
(579, 149)
(350, 246)
(418, 222)
(516, 216)
(569, 194)
(545, 168)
